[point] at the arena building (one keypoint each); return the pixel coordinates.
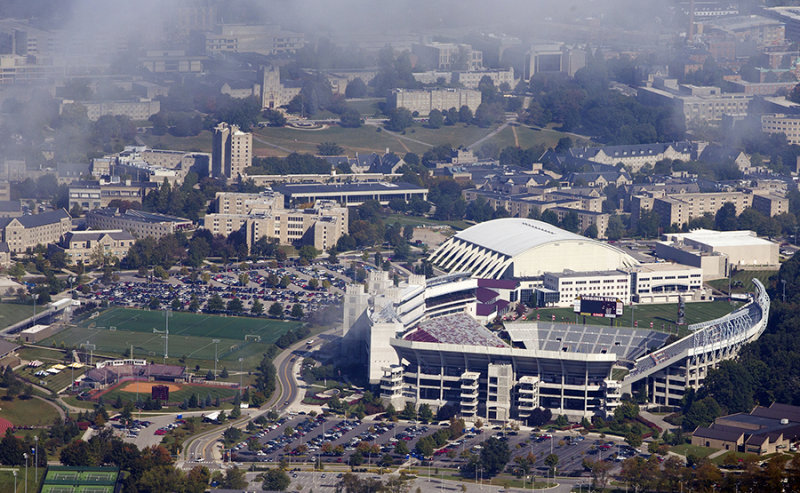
(516, 248)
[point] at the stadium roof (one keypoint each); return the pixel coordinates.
(512, 235)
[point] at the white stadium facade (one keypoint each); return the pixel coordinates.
(420, 341)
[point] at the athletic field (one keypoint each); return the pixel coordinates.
(663, 316)
(191, 335)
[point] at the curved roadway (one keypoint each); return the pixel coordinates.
(287, 391)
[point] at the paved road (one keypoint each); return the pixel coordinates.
(308, 481)
(204, 446)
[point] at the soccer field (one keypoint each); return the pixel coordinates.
(663, 316)
(191, 324)
(190, 335)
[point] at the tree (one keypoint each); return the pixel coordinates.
(234, 479)
(329, 149)
(275, 480)
(725, 219)
(257, 308)
(425, 414)
(355, 89)
(495, 454)
(399, 119)
(235, 305)
(276, 310)
(551, 461)
(435, 119)
(409, 412)
(297, 311)
(350, 118)
(215, 303)
(75, 454)
(308, 253)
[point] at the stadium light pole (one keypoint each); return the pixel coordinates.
(15, 480)
(241, 370)
(783, 281)
(216, 346)
(36, 457)
(26, 471)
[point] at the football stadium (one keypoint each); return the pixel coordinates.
(425, 342)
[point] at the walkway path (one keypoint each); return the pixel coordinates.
(488, 136)
(657, 419)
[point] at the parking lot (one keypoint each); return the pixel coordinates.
(333, 440)
(264, 284)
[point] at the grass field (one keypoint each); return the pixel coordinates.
(191, 335)
(7, 479)
(744, 277)
(424, 221)
(185, 392)
(27, 412)
(11, 313)
(52, 382)
(198, 143)
(663, 316)
(688, 449)
(42, 354)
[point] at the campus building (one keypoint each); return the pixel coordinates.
(231, 151)
(84, 246)
(320, 225)
(764, 430)
(448, 56)
(24, 232)
(90, 195)
(349, 194)
(140, 224)
(423, 101)
(717, 252)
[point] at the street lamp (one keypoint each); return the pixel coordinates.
(783, 281)
(26, 471)
(36, 457)
(15, 480)
(216, 345)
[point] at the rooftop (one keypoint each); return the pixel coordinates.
(723, 238)
(301, 188)
(512, 236)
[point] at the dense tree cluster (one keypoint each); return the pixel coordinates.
(586, 104)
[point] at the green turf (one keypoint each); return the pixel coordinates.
(198, 143)
(11, 313)
(176, 396)
(7, 479)
(55, 382)
(745, 281)
(191, 335)
(663, 316)
(688, 449)
(27, 412)
(191, 324)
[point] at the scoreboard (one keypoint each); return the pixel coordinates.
(598, 306)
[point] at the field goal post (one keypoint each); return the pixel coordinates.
(254, 337)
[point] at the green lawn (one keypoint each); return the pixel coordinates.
(663, 316)
(176, 396)
(191, 324)
(27, 412)
(42, 354)
(364, 140)
(424, 221)
(11, 313)
(7, 479)
(191, 335)
(688, 449)
(55, 382)
(198, 143)
(744, 278)
(365, 106)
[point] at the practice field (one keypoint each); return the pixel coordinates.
(663, 316)
(184, 391)
(190, 335)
